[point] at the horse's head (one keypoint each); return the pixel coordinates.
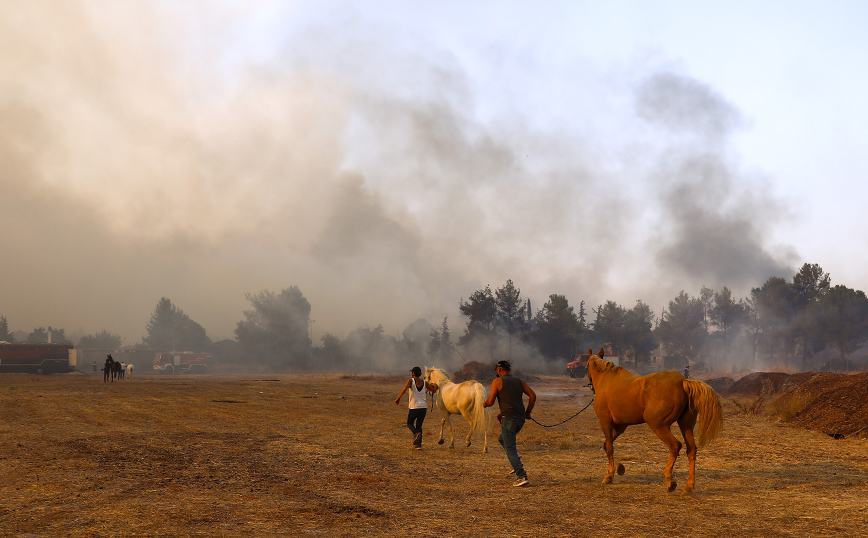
(435, 375)
(597, 365)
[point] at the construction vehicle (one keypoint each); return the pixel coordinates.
(184, 362)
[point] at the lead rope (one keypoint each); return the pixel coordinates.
(570, 418)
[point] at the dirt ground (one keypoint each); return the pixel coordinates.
(317, 455)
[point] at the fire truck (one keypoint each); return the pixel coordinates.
(185, 362)
(37, 358)
(578, 367)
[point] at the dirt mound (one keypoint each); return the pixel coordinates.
(721, 385)
(836, 404)
(477, 371)
(485, 374)
(758, 383)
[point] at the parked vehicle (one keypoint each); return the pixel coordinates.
(186, 362)
(578, 367)
(37, 358)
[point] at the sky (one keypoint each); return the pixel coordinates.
(390, 158)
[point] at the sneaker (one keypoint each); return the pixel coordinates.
(511, 472)
(418, 447)
(523, 481)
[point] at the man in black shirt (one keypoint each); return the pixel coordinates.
(509, 391)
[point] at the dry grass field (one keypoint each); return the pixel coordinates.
(317, 455)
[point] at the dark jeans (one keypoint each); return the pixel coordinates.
(509, 427)
(415, 418)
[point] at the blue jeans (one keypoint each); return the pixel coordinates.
(509, 427)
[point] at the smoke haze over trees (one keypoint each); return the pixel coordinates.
(388, 163)
(805, 323)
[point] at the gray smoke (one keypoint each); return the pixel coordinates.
(142, 158)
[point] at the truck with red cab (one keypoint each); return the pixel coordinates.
(185, 362)
(578, 367)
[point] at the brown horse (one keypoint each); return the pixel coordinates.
(622, 399)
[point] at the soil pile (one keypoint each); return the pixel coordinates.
(485, 374)
(476, 371)
(836, 404)
(759, 383)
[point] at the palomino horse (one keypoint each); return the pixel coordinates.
(622, 399)
(465, 398)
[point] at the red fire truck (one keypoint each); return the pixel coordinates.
(185, 362)
(579, 365)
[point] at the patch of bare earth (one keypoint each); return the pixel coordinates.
(317, 455)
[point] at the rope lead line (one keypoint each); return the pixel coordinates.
(561, 422)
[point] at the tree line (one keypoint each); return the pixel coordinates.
(780, 322)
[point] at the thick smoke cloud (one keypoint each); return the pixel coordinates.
(142, 157)
(715, 221)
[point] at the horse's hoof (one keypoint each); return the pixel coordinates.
(607, 480)
(440, 442)
(672, 486)
(620, 469)
(688, 490)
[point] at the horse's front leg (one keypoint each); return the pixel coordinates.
(609, 445)
(442, 423)
(616, 432)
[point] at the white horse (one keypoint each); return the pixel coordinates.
(130, 370)
(466, 398)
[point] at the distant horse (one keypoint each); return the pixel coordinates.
(465, 398)
(622, 399)
(117, 371)
(129, 370)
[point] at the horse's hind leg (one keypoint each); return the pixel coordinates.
(469, 418)
(447, 420)
(686, 424)
(674, 445)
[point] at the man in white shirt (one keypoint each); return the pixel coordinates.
(417, 388)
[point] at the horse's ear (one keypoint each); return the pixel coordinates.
(602, 353)
(590, 352)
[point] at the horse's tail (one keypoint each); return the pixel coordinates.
(709, 411)
(480, 413)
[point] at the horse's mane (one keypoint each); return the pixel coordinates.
(441, 371)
